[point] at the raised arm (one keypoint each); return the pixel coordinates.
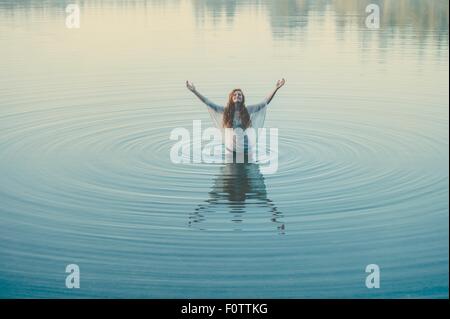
(202, 98)
(259, 106)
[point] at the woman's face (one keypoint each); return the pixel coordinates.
(237, 97)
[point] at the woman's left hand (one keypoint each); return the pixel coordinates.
(280, 83)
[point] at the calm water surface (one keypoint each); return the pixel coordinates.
(86, 178)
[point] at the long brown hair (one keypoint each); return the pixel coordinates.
(228, 114)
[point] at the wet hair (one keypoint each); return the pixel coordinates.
(228, 114)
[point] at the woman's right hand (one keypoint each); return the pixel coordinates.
(190, 86)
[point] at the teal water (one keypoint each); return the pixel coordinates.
(86, 178)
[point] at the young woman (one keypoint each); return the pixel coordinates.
(237, 115)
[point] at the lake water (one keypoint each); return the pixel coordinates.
(86, 177)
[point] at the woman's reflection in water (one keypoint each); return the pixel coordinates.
(240, 189)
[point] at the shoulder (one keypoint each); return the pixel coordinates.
(256, 107)
(214, 106)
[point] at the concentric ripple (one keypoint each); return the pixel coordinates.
(87, 177)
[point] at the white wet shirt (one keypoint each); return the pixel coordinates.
(257, 114)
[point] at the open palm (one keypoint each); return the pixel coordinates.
(280, 83)
(190, 86)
